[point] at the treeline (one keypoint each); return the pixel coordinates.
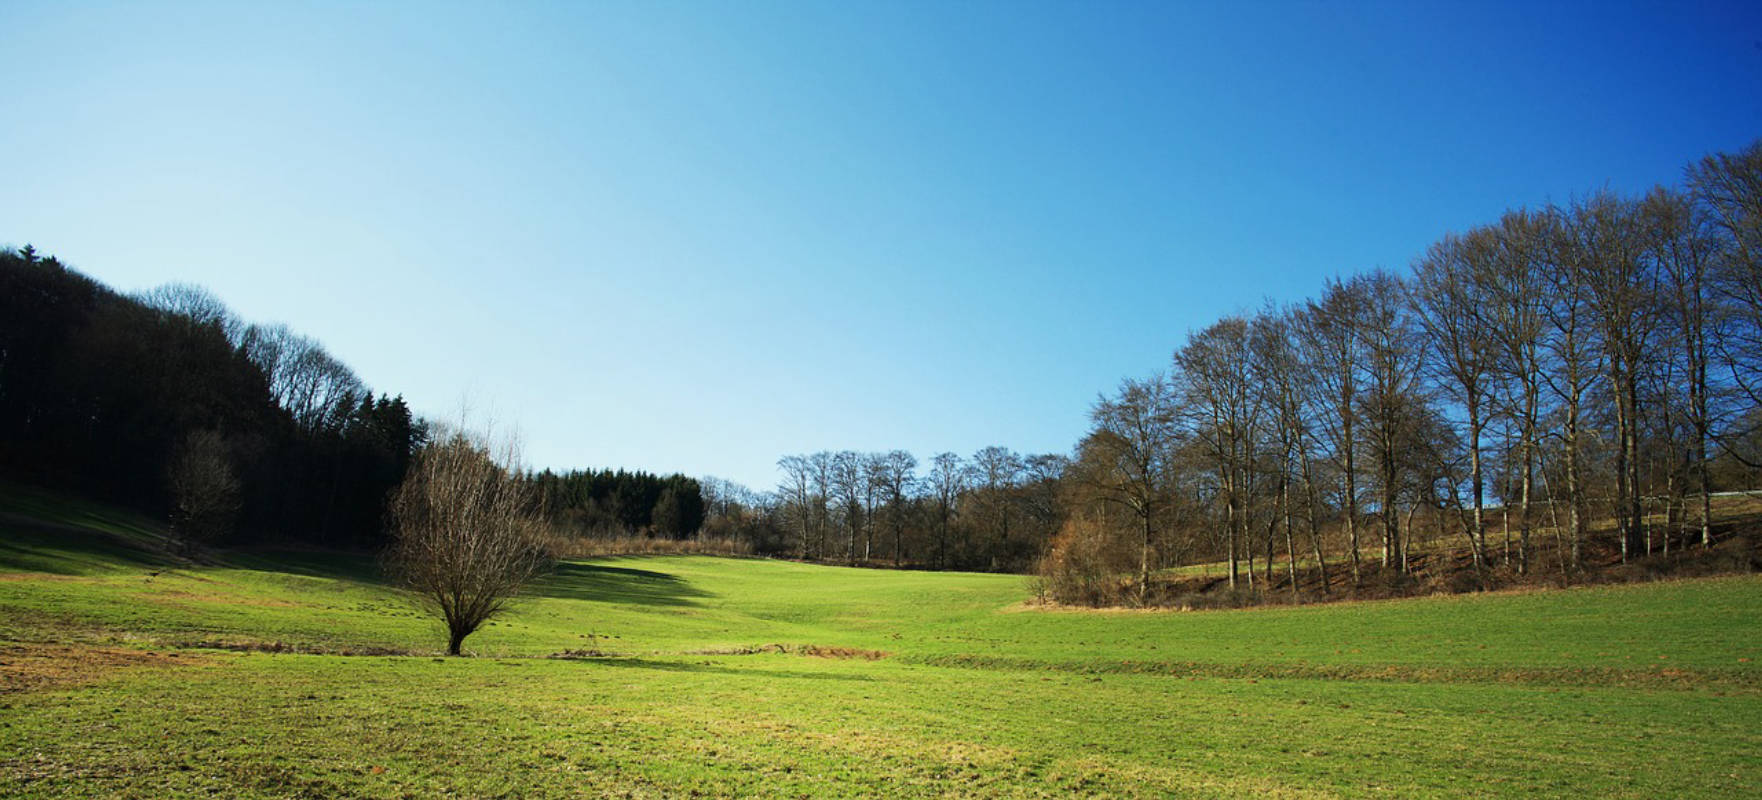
(167, 403)
(1594, 361)
(993, 511)
(602, 503)
(237, 433)
(1525, 384)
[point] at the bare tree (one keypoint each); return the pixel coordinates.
(1280, 374)
(1728, 200)
(948, 480)
(1224, 409)
(196, 304)
(1393, 400)
(850, 480)
(1329, 331)
(466, 534)
(1125, 460)
(1683, 252)
(896, 476)
(204, 489)
(315, 388)
(1622, 292)
(1513, 314)
(995, 472)
(1570, 347)
(1451, 301)
(797, 491)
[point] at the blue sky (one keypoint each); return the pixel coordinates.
(698, 236)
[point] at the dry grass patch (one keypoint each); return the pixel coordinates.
(34, 667)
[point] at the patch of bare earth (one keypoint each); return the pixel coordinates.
(35, 667)
(818, 651)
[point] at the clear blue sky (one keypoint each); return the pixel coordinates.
(698, 236)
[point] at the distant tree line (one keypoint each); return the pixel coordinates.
(995, 510)
(1598, 360)
(620, 503)
(167, 403)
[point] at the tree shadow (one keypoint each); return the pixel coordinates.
(336, 565)
(572, 580)
(718, 669)
(29, 545)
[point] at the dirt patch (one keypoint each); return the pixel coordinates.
(586, 652)
(7, 577)
(817, 651)
(40, 667)
(253, 646)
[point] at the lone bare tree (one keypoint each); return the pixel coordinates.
(466, 534)
(204, 489)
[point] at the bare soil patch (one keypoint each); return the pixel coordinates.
(35, 667)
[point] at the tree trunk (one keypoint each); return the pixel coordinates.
(1144, 562)
(1474, 474)
(1310, 504)
(1290, 537)
(1349, 512)
(1529, 477)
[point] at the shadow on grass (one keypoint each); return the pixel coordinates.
(718, 669)
(357, 567)
(28, 545)
(569, 580)
(576, 581)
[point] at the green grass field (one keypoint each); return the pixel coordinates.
(126, 676)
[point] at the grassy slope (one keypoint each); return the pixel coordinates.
(1635, 691)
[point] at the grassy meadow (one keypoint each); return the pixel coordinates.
(282, 674)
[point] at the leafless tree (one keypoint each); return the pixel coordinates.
(315, 388)
(1329, 330)
(821, 468)
(850, 481)
(995, 471)
(1451, 298)
(1622, 292)
(1223, 406)
(466, 535)
(1571, 349)
(895, 474)
(196, 304)
(1683, 251)
(797, 491)
(1281, 376)
(204, 489)
(948, 480)
(1727, 189)
(1125, 459)
(1393, 399)
(1513, 315)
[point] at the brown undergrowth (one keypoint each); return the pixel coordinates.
(817, 651)
(1443, 568)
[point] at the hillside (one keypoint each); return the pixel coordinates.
(277, 674)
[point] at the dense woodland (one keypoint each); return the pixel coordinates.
(1536, 376)
(167, 403)
(235, 433)
(602, 503)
